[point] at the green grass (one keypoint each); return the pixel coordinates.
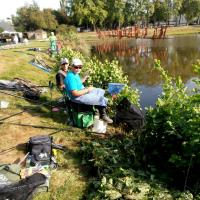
(69, 181)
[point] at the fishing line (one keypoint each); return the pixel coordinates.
(14, 147)
(40, 104)
(20, 97)
(33, 115)
(26, 109)
(35, 126)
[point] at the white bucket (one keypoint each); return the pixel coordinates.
(4, 104)
(99, 125)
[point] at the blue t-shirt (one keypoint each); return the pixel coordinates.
(72, 82)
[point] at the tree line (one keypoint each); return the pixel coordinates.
(106, 14)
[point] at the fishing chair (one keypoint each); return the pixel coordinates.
(80, 115)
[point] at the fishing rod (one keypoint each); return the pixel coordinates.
(55, 146)
(29, 109)
(40, 104)
(8, 93)
(50, 86)
(20, 145)
(25, 110)
(36, 126)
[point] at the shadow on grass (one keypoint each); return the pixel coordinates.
(44, 109)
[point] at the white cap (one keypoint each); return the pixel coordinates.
(76, 62)
(64, 61)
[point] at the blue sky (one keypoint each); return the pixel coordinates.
(9, 7)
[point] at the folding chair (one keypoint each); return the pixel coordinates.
(81, 115)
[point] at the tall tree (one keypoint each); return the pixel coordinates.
(137, 11)
(191, 9)
(49, 22)
(115, 10)
(91, 12)
(30, 18)
(161, 11)
(25, 18)
(177, 6)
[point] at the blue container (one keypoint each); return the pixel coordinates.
(115, 88)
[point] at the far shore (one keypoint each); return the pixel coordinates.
(179, 30)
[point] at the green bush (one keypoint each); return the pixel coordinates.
(101, 73)
(66, 32)
(144, 166)
(69, 38)
(171, 141)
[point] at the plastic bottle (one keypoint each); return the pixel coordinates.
(99, 125)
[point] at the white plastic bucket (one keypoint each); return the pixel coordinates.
(4, 104)
(99, 125)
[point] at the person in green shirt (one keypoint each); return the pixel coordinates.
(53, 43)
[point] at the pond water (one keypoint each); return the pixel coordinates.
(177, 55)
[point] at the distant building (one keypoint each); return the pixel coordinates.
(38, 35)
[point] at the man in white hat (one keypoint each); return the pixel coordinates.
(60, 76)
(80, 94)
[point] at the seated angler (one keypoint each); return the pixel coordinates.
(80, 94)
(60, 76)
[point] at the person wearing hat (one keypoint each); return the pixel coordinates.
(80, 94)
(60, 76)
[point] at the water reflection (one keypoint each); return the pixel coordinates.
(177, 56)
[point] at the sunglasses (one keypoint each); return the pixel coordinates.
(77, 67)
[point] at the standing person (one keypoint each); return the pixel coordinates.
(80, 94)
(53, 43)
(60, 76)
(15, 39)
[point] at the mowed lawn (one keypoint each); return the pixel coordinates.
(69, 181)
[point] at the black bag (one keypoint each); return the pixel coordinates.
(9, 173)
(129, 114)
(40, 150)
(23, 189)
(31, 94)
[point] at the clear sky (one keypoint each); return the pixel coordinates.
(9, 7)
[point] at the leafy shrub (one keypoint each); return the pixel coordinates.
(171, 141)
(66, 32)
(116, 173)
(101, 73)
(69, 38)
(137, 167)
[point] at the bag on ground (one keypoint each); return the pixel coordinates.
(40, 151)
(23, 189)
(9, 173)
(128, 113)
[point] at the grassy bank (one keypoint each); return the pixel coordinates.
(70, 180)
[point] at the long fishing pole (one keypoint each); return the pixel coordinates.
(36, 126)
(41, 104)
(26, 109)
(8, 93)
(14, 147)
